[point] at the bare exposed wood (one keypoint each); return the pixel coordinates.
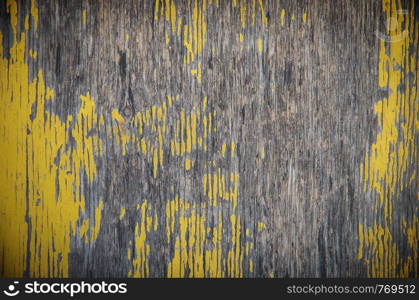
(209, 139)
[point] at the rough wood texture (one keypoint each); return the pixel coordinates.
(209, 138)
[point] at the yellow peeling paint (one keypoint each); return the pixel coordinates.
(219, 186)
(260, 45)
(117, 116)
(223, 149)
(187, 227)
(262, 13)
(84, 229)
(122, 137)
(305, 17)
(33, 53)
(122, 213)
(193, 32)
(385, 260)
(198, 245)
(243, 14)
(233, 149)
(197, 72)
(262, 152)
(41, 175)
(187, 164)
(156, 10)
(261, 226)
(283, 17)
(173, 15)
(96, 228)
(34, 14)
(386, 165)
(26, 23)
(140, 267)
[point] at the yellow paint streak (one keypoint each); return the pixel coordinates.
(253, 12)
(193, 34)
(156, 10)
(262, 13)
(173, 15)
(223, 149)
(260, 45)
(305, 17)
(283, 17)
(117, 116)
(122, 213)
(261, 226)
(167, 38)
(384, 259)
(50, 94)
(187, 164)
(34, 14)
(122, 137)
(84, 229)
(11, 9)
(198, 246)
(84, 17)
(217, 188)
(155, 162)
(197, 72)
(234, 255)
(243, 13)
(33, 53)
(98, 213)
(27, 23)
(233, 149)
(140, 266)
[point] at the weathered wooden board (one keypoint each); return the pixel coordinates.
(209, 138)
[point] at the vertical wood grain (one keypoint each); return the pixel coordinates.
(209, 138)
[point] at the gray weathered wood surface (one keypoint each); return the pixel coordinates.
(295, 95)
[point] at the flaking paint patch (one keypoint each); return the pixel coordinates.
(186, 223)
(42, 201)
(140, 266)
(33, 53)
(122, 213)
(84, 16)
(260, 45)
(193, 32)
(282, 16)
(34, 14)
(386, 167)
